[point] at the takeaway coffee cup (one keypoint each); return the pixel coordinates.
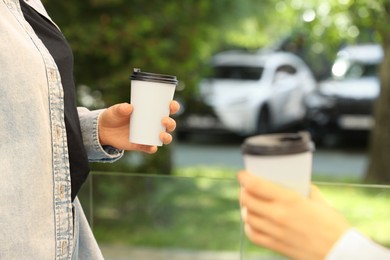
(150, 95)
(285, 159)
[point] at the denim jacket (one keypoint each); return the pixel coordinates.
(37, 217)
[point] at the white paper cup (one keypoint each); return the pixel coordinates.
(285, 159)
(150, 95)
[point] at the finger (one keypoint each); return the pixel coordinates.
(124, 109)
(151, 150)
(147, 149)
(166, 138)
(116, 113)
(264, 226)
(174, 107)
(269, 226)
(258, 237)
(257, 205)
(263, 188)
(169, 124)
(120, 110)
(267, 241)
(141, 147)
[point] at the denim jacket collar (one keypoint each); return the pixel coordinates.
(36, 4)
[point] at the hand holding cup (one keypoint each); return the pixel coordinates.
(150, 96)
(285, 159)
(114, 127)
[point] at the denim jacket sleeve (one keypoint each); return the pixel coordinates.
(89, 129)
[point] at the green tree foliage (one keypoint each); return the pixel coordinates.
(337, 22)
(321, 28)
(109, 38)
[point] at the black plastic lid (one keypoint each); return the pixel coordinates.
(278, 144)
(147, 76)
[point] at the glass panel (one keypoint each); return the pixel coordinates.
(152, 217)
(365, 206)
(170, 217)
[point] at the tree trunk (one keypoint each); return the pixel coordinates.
(379, 156)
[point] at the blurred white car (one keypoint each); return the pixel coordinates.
(343, 104)
(253, 93)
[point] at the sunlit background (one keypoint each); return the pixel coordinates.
(236, 80)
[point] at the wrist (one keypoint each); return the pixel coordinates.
(100, 130)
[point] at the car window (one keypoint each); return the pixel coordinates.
(344, 69)
(357, 70)
(287, 69)
(238, 72)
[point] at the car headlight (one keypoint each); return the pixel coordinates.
(319, 101)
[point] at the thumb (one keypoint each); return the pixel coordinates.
(116, 113)
(121, 110)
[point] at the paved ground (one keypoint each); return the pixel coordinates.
(118, 252)
(339, 162)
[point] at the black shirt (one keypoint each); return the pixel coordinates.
(60, 50)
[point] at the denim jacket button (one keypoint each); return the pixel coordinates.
(51, 75)
(62, 191)
(58, 132)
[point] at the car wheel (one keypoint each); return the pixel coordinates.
(263, 122)
(314, 134)
(182, 135)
